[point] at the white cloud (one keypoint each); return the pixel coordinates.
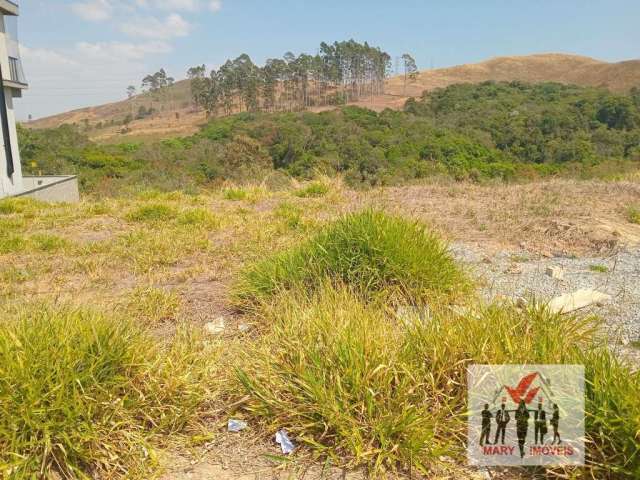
(93, 10)
(121, 50)
(180, 5)
(151, 27)
(84, 74)
(188, 5)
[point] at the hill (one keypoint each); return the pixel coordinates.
(491, 130)
(174, 112)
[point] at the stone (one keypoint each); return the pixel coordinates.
(243, 328)
(215, 327)
(582, 298)
(555, 272)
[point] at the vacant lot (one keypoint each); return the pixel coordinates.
(208, 328)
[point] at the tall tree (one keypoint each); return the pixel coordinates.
(410, 70)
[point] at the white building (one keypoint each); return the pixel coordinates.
(12, 83)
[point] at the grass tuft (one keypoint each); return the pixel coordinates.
(633, 214)
(235, 194)
(598, 268)
(313, 190)
(155, 212)
(198, 217)
(46, 242)
(83, 396)
(357, 383)
(152, 305)
(373, 252)
(24, 205)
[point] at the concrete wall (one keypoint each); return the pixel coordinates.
(52, 188)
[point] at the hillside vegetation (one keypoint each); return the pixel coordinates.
(508, 131)
(173, 112)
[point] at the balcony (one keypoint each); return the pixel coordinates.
(7, 7)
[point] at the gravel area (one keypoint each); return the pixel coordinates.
(520, 274)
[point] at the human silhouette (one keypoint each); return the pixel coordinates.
(502, 418)
(540, 424)
(555, 421)
(522, 425)
(486, 425)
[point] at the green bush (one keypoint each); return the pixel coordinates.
(372, 251)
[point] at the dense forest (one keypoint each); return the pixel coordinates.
(505, 131)
(339, 73)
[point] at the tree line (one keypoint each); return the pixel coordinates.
(339, 73)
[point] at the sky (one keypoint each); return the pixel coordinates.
(78, 53)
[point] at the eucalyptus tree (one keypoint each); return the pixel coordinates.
(338, 73)
(410, 70)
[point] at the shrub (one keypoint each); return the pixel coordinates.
(372, 251)
(82, 395)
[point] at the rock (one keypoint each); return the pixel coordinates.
(555, 272)
(486, 259)
(243, 328)
(216, 327)
(582, 298)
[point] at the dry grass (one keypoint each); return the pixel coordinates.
(168, 259)
(104, 249)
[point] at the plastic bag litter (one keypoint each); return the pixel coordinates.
(286, 444)
(236, 425)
